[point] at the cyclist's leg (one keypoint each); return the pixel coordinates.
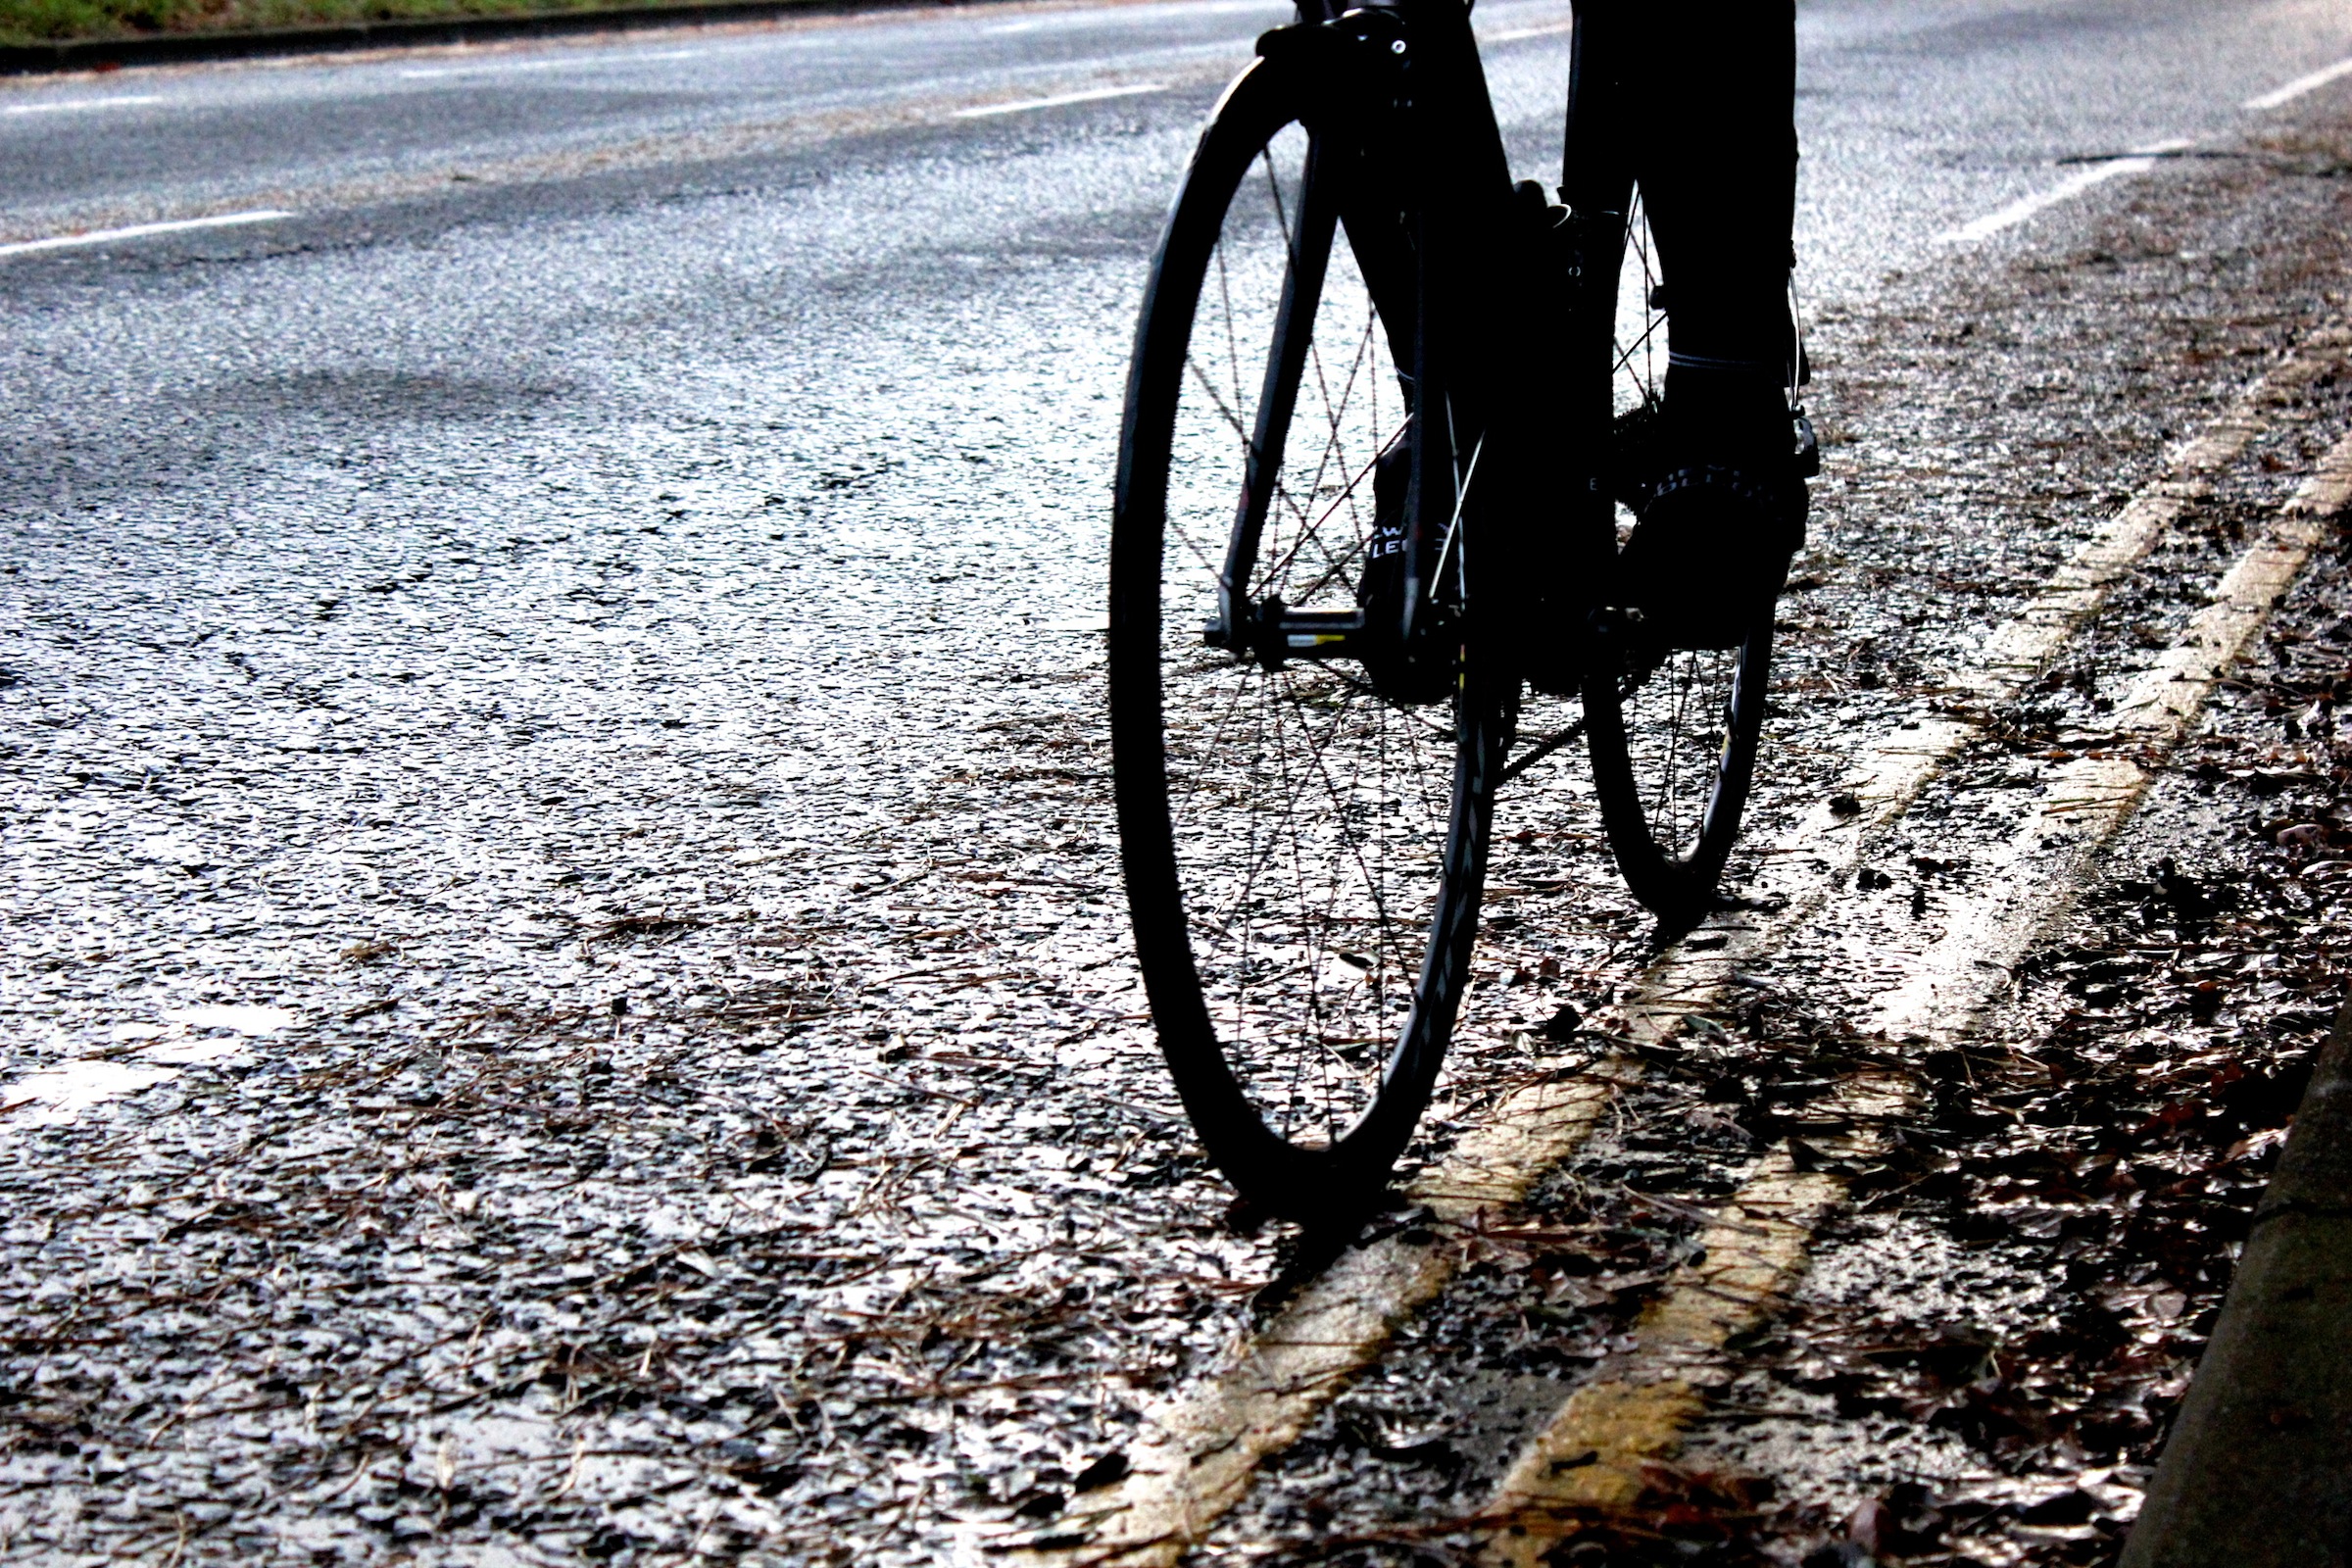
(1718, 172)
(1697, 99)
(1717, 166)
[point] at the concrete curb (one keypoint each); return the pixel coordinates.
(175, 48)
(2258, 1471)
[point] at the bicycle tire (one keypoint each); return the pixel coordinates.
(1302, 857)
(1673, 734)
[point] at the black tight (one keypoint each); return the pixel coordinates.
(1695, 100)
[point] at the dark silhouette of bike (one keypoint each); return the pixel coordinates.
(1387, 416)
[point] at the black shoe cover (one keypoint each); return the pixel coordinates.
(1710, 552)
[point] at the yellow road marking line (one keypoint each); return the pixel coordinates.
(1200, 1452)
(1592, 1459)
(1894, 772)
(1202, 1447)
(2089, 798)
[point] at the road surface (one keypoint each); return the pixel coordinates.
(564, 963)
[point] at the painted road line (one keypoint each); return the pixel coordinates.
(1199, 1452)
(1276, 1381)
(107, 237)
(2280, 96)
(1809, 864)
(59, 1095)
(1592, 1459)
(605, 62)
(1090, 96)
(502, 68)
(2077, 589)
(142, 1056)
(2089, 797)
(1593, 1456)
(2136, 161)
(68, 105)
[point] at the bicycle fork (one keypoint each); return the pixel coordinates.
(1405, 167)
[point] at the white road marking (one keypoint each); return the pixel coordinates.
(561, 63)
(107, 237)
(58, 1095)
(429, 72)
(67, 105)
(2279, 96)
(1091, 95)
(2138, 162)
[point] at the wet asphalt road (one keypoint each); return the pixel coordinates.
(580, 637)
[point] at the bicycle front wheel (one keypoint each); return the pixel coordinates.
(1302, 845)
(1673, 732)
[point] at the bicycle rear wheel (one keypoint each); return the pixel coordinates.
(1302, 847)
(1673, 732)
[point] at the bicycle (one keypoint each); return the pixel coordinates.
(1387, 416)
